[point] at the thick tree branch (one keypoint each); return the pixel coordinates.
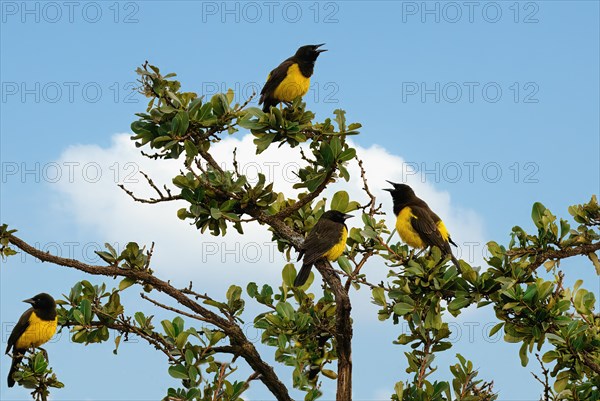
(555, 254)
(233, 331)
(591, 363)
(343, 333)
(343, 330)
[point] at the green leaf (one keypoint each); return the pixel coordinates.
(550, 356)
(496, 328)
(168, 328)
(229, 95)
(189, 356)
(252, 289)
(107, 257)
(379, 296)
(263, 141)
(190, 149)
(523, 355)
(140, 318)
(215, 213)
(344, 264)
(340, 119)
(458, 303)
(594, 258)
(126, 283)
(289, 274)
(78, 316)
(398, 388)
(39, 363)
(181, 339)
(285, 309)
(329, 373)
(86, 309)
(354, 126)
(537, 213)
(340, 201)
(347, 154)
(178, 372)
(562, 379)
(403, 308)
(327, 154)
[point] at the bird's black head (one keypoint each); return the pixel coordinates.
(401, 192)
(309, 53)
(336, 216)
(42, 302)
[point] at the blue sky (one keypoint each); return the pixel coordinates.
(498, 102)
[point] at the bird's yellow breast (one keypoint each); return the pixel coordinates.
(408, 233)
(337, 250)
(37, 333)
(293, 85)
(406, 230)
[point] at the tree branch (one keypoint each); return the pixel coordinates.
(233, 331)
(288, 211)
(170, 308)
(591, 363)
(343, 330)
(545, 382)
(556, 253)
(356, 270)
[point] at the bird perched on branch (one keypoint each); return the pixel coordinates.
(417, 224)
(35, 327)
(327, 240)
(291, 79)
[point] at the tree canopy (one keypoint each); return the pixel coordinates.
(310, 328)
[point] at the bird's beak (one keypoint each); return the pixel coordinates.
(29, 301)
(347, 216)
(320, 50)
(393, 184)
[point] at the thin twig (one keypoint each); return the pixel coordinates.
(357, 268)
(545, 382)
(172, 309)
(371, 204)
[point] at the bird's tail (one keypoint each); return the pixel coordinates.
(302, 275)
(455, 261)
(17, 358)
(268, 102)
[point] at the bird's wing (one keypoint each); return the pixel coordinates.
(275, 78)
(436, 220)
(424, 224)
(19, 329)
(321, 239)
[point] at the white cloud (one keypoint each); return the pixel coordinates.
(97, 204)
(91, 196)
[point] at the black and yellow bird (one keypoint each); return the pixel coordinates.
(327, 240)
(291, 78)
(35, 327)
(417, 224)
